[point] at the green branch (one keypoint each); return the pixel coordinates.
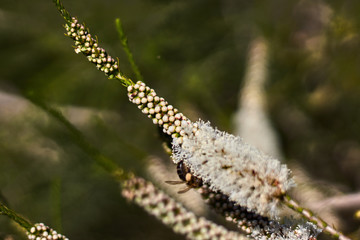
(124, 43)
(4, 210)
(66, 15)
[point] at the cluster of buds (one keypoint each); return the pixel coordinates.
(156, 108)
(172, 213)
(41, 232)
(86, 44)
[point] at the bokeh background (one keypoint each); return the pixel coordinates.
(194, 53)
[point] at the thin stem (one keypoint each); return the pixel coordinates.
(4, 210)
(124, 43)
(288, 201)
(66, 15)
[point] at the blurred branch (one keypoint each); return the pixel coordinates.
(339, 203)
(173, 214)
(78, 137)
(251, 119)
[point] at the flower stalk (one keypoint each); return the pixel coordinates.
(88, 45)
(4, 210)
(288, 201)
(124, 43)
(227, 164)
(224, 163)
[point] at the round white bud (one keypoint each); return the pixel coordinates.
(142, 88)
(141, 94)
(144, 100)
(157, 109)
(165, 118)
(171, 129)
(145, 110)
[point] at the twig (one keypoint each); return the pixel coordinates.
(124, 43)
(4, 210)
(314, 219)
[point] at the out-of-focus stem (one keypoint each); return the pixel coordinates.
(288, 201)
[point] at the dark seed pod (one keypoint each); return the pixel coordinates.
(232, 211)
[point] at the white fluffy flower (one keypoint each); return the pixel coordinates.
(227, 164)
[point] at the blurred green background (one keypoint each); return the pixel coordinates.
(194, 54)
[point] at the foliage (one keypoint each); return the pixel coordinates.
(194, 54)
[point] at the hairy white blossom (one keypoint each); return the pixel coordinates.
(305, 231)
(227, 164)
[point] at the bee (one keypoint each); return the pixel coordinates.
(186, 177)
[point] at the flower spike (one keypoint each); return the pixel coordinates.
(235, 174)
(227, 164)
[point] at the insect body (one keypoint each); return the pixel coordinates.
(185, 175)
